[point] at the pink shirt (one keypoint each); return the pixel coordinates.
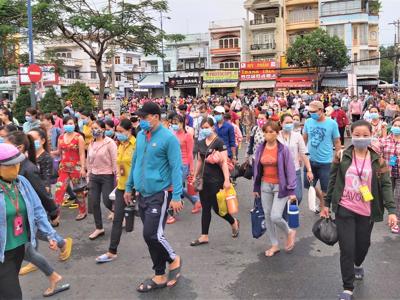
(352, 198)
(58, 123)
(186, 142)
(102, 157)
(355, 107)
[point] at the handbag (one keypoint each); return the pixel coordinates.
(257, 216)
(112, 195)
(198, 181)
(246, 170)
(80, 186)
(312, 198)
(325, 230)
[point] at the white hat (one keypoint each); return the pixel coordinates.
(219, 109)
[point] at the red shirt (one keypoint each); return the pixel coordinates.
(340, 117)
(234, 116)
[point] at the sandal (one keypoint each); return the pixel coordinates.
(67, 203)
(149, 285)
(94, 237)
(73, 206)
(175, 274)
(80, 217)
(235, 232)
(104, 258)
(57, 290)
(270, 253)
(198, 243)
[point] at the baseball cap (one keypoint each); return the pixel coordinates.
(316, 104)
(219, 109)
(149, 108)
(10, 155)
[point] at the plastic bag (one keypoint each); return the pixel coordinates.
(222, 208)
(230, 200)
(325, 230)
(312, 199)
(257, 215)
(112, 195)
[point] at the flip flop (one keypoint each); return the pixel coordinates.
(175, 274)
(97, 236)
(273, 253)
(81, 217)
(149, 285)
(57, 290)
(198, 243)
(73, 206)
(67, 203)
(104, 258)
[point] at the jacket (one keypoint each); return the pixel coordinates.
(340, 117)
(102, 160)
(37, 217)
(381, 185)
(286, 171)
(227, 133)
(124, 161)
(156, 164)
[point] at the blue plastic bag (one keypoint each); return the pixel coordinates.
(258, 227)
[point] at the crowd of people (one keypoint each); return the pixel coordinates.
(161, 151)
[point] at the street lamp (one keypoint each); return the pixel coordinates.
(162, 52)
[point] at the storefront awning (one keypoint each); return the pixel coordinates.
(293, 84)
(220, 84)
(248, 85)
(335, 82)
(151, 81)
(362, 82)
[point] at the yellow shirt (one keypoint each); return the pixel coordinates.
(87, 132)
(124, 161)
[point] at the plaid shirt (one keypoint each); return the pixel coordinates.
(388, 147)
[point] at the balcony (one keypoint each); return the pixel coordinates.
(72, 62)
(265, 23)
(300, 2)
(367, 70)
(257, 49)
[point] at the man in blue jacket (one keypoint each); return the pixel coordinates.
(156, 168)
(226, 132)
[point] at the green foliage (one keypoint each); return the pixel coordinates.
(80, 96)
(318, 49)
(23, 102)
(375, 7)
(387, 64)
(51, 102)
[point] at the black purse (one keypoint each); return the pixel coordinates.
(81, 186)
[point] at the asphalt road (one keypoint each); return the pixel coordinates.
(224, 269)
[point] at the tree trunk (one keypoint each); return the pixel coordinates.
(102, 85)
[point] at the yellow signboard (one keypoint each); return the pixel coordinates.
(286, 69)
(220, 76)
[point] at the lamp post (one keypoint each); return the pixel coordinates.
(30, 46)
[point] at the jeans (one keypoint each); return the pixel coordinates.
(185, 173)
(273, 209)
(34, 257)
(321, 172)
(354, 232)
(101, 186)
(116, 231)
(9, 270)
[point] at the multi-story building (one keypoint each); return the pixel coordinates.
(183, 62)
(358, 26)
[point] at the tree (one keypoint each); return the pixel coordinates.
(22, 102)
(51, 102)
(98, 30)
(318, 50)
(375, 7)
(387, 65)
(80, 96)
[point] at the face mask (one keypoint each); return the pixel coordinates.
(261, 123)
(37, 144)
(65, 115)
(218, 118)
(296, 123)
(121, 137)
(9, 173)
(1, 140)
(28, 118)
(100, 116)
(361, 143)
(336, 107)
(69, 128)
(145, 125)
(96, 133)
(288, 127)
(175, 127)
(374, 116)
(269, 113)
(395, 130)
(77, 115)
(109, 133)
(314, 116)
(108, 117)
(206, 132)
(85, 121)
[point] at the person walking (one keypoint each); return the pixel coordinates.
(359, 189)
(32, 121)
(339, 115)
(248, 120)
(275, 182)
(225, 132)
(215, 177)
(156, 166)
(355, 108)
(102, 171)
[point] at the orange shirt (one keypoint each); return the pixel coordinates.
(269, 161)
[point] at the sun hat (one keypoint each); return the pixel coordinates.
(10, 155)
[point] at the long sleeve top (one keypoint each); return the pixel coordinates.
(186, 142)
(102, 157)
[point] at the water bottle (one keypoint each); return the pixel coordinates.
(129, 213)
(293, 214)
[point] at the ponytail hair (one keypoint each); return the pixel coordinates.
(18, 138)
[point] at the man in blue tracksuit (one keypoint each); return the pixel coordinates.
(156, 170)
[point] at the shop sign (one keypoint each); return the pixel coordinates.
(286, 69)
(183, 82)
(258, 65)
(254, 75)
(49, 75)
(217, 77)
(8, 83)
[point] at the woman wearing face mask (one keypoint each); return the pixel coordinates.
(110, 129)
(31, 120)
(102, 169)
(71, 149)
(126, 148)
(215, 178)
(391, 110)
(256, 136)
(389, 149)
(379, 127)
(275, 183)
(186, 143)
(272, 115)
(359, 189)
(23, 215)
(339, 115)
(297, 123)
(86, 121)
(248, 121)
(295, 142)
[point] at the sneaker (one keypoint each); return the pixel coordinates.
(345, 296)
(359, 273)
(395, 229)
(196, 208)
(27, 269)
(171, 220)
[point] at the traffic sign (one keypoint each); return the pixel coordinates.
(34, 73)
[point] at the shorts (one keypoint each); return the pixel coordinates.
(321, 172)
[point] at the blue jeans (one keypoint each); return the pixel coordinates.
(185, 173)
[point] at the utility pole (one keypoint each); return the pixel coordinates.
(396, 74)
(113, 78)
(162, 54)
(199, 93)
(30, 46)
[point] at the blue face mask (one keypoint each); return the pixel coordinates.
(69, 128)
(109, 133)
(395, 130)
(77, 115)
(145, 125)
(175, 127)
(1, 140)
(314, 116)
(374, 116)
(37, 144)
(107, 117)
(28, 118)
(336, 107)
(288, 127)
(65, 115)
(85, 121)
(218, 118)
(121, 137)
(206, 132)
(361, 143)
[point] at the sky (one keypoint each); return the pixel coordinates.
(194, 16)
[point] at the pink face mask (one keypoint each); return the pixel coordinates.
(261, 123)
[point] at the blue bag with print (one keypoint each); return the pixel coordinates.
(258, 227)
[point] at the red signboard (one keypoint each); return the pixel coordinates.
(34, 73)
(254, 75)
(49, 75)
(258, 65)
(294, 84)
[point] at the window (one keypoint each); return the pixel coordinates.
(117, 60)
(93, 75)
(68, 54)
(229, 42)
(117, 76)
(355, 32)
(303, 14)
(229, 65)
(129, 77)
(264, 38)
(128, 60)
(363, 34)
(154, 68)
(77, 75)
(355, 58)
(167, 66)
(340, 7)
(70, 74)
(337, 30)
(364, 54)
